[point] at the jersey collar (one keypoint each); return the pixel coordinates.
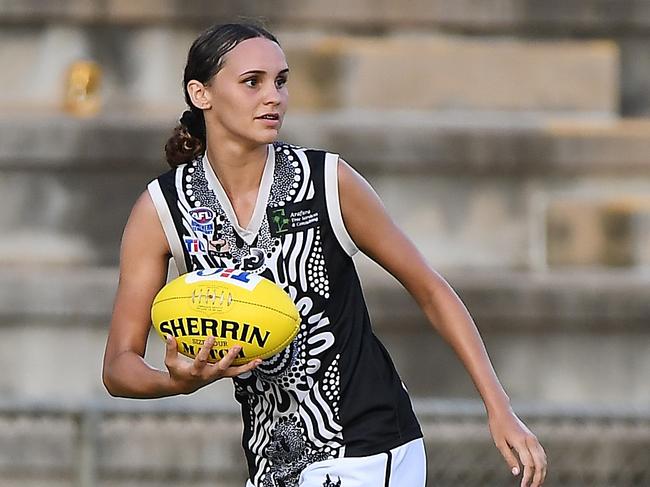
(249, 233)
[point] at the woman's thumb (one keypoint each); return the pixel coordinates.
(509, 457)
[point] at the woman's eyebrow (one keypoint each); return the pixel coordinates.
(260, 71)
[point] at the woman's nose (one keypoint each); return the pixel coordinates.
(272, 95)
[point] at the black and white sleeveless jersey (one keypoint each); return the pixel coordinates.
(334, 391)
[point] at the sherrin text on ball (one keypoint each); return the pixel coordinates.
(236, 307)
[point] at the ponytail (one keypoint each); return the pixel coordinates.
(188, 140)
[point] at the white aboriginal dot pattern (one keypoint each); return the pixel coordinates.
(294, 376)
(316, 270)
(296, 180)
(331, 384)
(274, 248)
(196, 188)
(287, 168)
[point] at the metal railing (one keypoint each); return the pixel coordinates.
(178, 442)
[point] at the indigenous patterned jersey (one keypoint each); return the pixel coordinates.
(334, 391)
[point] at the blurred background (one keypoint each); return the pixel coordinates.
(509, 138)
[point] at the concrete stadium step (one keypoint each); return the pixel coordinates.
(447, 142)
(424, 72)
(582, 16)
(503, 301)
(541, 332)
(142, 68)
(447, 178)
(174, 442)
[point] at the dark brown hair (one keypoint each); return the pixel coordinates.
(204, 60)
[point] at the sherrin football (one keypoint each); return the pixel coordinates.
(234, 306)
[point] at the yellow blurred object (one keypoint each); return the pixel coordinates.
(82, 89)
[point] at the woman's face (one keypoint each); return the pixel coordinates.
(250, 85)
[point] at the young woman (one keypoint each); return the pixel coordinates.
(330, 410)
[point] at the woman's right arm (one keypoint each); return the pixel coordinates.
(144, 257)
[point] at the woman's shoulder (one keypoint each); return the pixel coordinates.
(170, 176)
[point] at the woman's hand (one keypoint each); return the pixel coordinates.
(510, 433)
(187, 377)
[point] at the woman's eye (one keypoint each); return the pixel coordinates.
(251, 82)
(281, 82)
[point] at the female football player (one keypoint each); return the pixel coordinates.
(331, 409)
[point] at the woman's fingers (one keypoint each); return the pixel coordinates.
(224, 367)
(527, 460)
(539, 457)
(509, 457)
(537, 477)
(242, 369)
(518, 445)
(228, 359)
(202, 357)
(171, 350)
(200, 370)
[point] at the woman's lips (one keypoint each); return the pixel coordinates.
(270, 122)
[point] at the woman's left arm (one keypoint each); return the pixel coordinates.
(376, 235)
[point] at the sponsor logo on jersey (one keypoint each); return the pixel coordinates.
(202, 215)
(219, 247)
(238, 277)
(207, 229)
(203, 220)
(279, 220)
(292, 218)
(194, 246)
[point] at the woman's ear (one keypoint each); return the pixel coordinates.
(199, 94)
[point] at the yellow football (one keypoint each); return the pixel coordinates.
(234, 306)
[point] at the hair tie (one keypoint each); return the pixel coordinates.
(194, 124)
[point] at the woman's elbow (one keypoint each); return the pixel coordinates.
(111, 385)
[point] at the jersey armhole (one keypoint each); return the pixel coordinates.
(334, 205)
(167, 223)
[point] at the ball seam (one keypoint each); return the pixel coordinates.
(265, 307)
(252, 303)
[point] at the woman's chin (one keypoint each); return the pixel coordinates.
(267, 137)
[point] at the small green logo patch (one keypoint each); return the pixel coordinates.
(280, 221)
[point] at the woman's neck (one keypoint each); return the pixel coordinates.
(238, 168)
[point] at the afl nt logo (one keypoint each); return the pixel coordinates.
(202, 215)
